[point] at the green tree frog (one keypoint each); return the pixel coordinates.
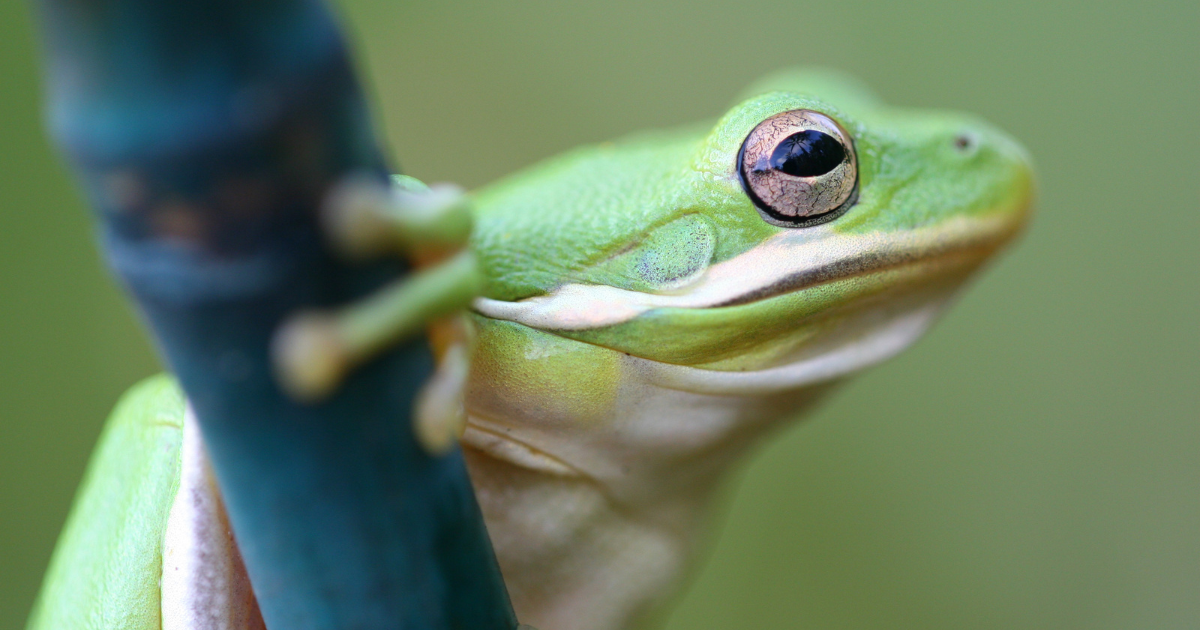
(650, 309)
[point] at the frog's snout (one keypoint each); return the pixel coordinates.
(1021, 180)
(1012, 186)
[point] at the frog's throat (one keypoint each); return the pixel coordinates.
(790, 261)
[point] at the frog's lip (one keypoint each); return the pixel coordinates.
(860, 265)
(788, 262)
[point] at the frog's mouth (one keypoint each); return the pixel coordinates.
(789, 263)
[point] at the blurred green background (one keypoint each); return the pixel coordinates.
(1033, 463)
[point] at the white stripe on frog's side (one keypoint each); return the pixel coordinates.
(787, 261)
(204, 583)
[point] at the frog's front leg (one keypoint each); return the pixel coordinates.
(430, 225)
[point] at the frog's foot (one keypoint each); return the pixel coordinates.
(314, 350)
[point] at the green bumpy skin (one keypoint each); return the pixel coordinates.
(106, 569)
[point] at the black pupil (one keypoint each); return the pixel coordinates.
(807, 154)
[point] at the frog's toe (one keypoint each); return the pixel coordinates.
(310, 356)
(440, 417)
(364, 219)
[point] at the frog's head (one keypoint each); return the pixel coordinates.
(654, 303)
(811, 225)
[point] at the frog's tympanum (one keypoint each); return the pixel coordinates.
(650, 309)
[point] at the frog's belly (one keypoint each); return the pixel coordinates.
(580, 553)
(594, 469)
(571, 558)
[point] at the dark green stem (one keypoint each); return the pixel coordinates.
(206, 133)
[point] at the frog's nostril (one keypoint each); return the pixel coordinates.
(965, 142)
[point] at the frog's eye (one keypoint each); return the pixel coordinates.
(799, 168)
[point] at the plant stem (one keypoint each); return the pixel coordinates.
(206, 133)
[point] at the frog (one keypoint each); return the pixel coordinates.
(643, 314)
